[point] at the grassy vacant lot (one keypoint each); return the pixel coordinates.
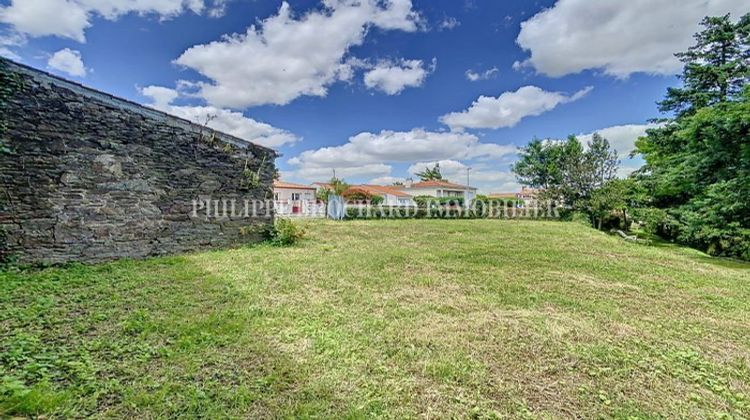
(425, 318)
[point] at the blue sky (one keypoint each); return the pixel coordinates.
(375, 89)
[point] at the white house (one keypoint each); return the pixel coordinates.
(296, 200)
(438, 189)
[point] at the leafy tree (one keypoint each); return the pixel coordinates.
(322, 194)
(565, 170)
(697, 169)
(585, 171)
(335, 186)
(540, 165)
(432, 174)
(617, 196)
(603, 161)
(716, 67)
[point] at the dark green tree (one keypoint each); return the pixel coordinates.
(540, 164)
(431, 174)
(565, 169)
(602, 159)
(335, 186)
(716, 67)
(697, 170)
(616, 197)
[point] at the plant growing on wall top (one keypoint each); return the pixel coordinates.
(251, 179)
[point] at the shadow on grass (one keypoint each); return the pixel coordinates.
(155, 338)
(694, 254)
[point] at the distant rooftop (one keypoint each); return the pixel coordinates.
(282, 184)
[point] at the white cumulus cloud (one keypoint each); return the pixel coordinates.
(474, 76)
(224, 120)
(285, 56)
(487, 178)
(316, 173)
(71, 18)
(509, 108)
(448, 23)
(387, 180)
(68, 61)
(619, 37)
(401, 146)
(621, 137)
(394, 77)
(8, 43)
(370, 154)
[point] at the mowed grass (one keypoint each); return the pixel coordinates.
(420, 318)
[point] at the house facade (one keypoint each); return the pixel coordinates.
(526, 194)
(296, 200)
(438, 189)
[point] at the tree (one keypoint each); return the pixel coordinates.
(697, 170)
(602, 160)
(431, 174)
(540, 164)
(335, 186)
(615, 196)
(565, 170)
(716, 67)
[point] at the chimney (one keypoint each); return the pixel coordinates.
(408, 182)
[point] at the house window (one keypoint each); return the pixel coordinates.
(295, 196)
(276, 196)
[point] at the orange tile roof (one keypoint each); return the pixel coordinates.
(382, 189)
(282, 184)
(375, 190)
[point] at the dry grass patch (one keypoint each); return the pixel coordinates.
(402, 318)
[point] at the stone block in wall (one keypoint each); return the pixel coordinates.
(93, 177)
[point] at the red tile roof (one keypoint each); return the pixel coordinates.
(376, 190)
(381, 189)
(503, 195)
(289, 185)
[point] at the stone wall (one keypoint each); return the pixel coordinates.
(85, 176)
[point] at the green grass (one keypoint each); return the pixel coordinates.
(409, 318)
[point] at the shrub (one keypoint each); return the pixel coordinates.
(614, 221)
(579, 217)
(286, 232)
(440, 212)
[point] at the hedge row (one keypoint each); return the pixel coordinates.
(452, 212)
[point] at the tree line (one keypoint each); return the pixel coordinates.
(694, 187)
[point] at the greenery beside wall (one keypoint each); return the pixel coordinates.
(695, 185)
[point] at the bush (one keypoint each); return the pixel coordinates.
(615, 221)
(476, 211)
(424, 200)
(579, 217)
(286, 232)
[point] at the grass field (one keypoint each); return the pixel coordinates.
(420, 318)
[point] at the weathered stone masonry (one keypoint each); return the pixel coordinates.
(90, 177)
